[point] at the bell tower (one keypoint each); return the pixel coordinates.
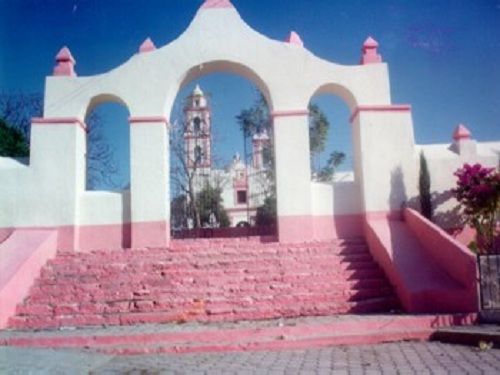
(197, 131)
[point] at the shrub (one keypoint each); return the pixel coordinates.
(478, 191)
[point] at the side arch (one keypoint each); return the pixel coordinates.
(338, 90)
(102, 99)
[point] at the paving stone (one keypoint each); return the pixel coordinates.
(427, 358)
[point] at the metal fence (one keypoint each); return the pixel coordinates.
(489, 281)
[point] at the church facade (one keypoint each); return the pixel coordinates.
(244, 184)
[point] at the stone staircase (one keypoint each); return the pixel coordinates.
(206, 281)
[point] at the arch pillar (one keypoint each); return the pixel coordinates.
(149, 182)
(293, 175)
(384, 146)
(58, 160)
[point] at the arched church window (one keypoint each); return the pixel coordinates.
(197, 102)
(197, 124)
(198, 154)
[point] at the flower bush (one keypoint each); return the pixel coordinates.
(478, 191)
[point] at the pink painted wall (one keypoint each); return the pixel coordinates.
(293, 229)
(5, 233)
(463, 235)
(22, 256)
(451, 256)
(319, 228)
(431, 272)
(340, 226)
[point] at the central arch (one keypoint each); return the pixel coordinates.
(194, 74)
(224, 66)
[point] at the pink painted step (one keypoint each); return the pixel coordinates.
(206, 281)
(22, 255)
(244, 336)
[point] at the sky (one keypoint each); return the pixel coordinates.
(443, 55)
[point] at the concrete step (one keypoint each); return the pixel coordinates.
(207, 281)
(482, 336)
(71, 315)
(277, 334)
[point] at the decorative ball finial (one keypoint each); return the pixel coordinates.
(461, 133)
(370, 54)
(295, 38)
(147, 46)
(65, 63)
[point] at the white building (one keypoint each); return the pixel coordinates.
(244, 187)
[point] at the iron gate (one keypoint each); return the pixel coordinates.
(489, 281)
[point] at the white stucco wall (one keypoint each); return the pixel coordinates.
(51, 190)
(336, 198)
(443, 160)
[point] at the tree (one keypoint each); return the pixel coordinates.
(318, 132)
(13, 143)
(256, 119)
(424, 188)
(178, 211)
(187, 175)
(209, 201)
(478, 192)
(183, 173)
(266, 214)
(17, 110)
(326, 173)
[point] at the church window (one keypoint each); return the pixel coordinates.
(197, 124)
(241, 196)
(198, 154)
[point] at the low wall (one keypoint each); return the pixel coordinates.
(231, 232)
(442, 249)
(430, 272)
(22, 256)
(336, 210)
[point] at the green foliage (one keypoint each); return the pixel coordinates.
(478, 192)
(209, 200)
(318, 129)
(424, 188)
(255, 119)
(12, 141)
(179, 211)
(266, 214)
(326, 173)
(17, 110)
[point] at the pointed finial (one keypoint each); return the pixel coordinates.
(294, 38)
(197, 91)
(461, 133)
(65, 63)
(370, 43)
(147, 46)
(217, 4)
(370, 55)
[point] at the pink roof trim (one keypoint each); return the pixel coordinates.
(217, 4)
(147, 46)
(295, 38)
(64, 55)
(461, 132)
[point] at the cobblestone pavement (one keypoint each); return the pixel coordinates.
(395, 358)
